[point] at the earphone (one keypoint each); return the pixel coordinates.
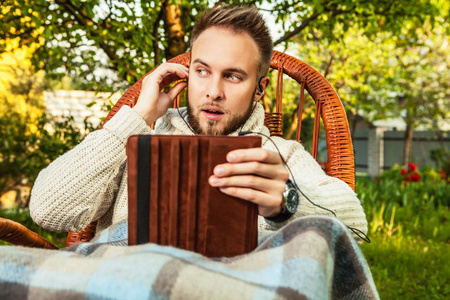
(356, 231)
(260, 89)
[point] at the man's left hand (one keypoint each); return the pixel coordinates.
(257, 175)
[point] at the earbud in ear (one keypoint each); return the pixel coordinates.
(260, 89)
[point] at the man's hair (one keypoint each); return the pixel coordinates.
(239, 19)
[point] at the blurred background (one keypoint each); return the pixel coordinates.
(64, 63)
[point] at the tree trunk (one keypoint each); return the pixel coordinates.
(353, 121)
(156, 43)
(408, 144)
(293, 125)
(173, 26)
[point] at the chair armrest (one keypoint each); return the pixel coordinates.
(17, 234)
(85, 235)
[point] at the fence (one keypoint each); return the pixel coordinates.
(377, 149)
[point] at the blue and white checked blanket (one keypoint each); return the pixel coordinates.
(311, 258)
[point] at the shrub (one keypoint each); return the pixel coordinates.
(28, 147)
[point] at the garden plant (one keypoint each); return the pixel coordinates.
(408, 214)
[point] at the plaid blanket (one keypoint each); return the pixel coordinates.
(310, 258)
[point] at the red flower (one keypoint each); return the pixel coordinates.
(415, 177)
(442, 173)
(405, 179)
(412, 167)
(403, 172)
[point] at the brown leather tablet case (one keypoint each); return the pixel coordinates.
(170, 201)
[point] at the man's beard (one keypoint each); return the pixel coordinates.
(233, 123)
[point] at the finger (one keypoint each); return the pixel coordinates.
(167, 68)
(176, 90)
(267, 205)
(253, 154)
(169, 78)
(254, 167)
(168, 73)
(269, 186)
(258, 197)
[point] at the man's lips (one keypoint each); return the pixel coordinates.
(212, 113)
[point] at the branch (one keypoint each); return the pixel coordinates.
(156, 34)
(83, 19)
(298, 29)
(334, 12)
(73, 11)
(329, 64)
(386, 9)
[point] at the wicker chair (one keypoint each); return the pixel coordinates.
(340, 157)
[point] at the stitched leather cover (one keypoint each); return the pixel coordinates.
(170, 201)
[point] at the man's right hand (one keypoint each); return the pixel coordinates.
(152, 103)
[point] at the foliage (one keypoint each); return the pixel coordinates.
(27, 148)
(408, 227)
(390, 191)
(442, 159)
(80, 38)
(20, 87)
(387, 76)
(29, 140)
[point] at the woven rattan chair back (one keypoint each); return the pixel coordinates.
(340, 157)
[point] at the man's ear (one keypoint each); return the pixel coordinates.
(261, 88)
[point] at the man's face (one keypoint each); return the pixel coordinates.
(222, 81)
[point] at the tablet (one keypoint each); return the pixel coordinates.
(171, 203)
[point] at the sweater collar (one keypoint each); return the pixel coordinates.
(175, 122)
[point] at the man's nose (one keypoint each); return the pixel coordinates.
(215, 89)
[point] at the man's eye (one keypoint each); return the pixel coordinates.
(201, 72)
(233, 77)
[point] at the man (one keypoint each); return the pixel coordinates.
(230, 56)
(313, 257)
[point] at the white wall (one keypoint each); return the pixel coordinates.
(74, 103)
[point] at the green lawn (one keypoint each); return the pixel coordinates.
(409, 226)
(411, 263)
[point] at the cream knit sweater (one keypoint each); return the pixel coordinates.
(90, 181)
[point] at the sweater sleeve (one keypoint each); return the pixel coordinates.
(80, 186)
(320, 193)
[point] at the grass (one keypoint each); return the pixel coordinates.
(410, 233)
(409, 226)
(409, 268)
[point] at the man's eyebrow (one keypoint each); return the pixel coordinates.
(236, 70)
(198, 60)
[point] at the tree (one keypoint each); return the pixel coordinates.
(20, 87)
(29, 140)
(423, 83)
(89, 39)
(389, 76)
